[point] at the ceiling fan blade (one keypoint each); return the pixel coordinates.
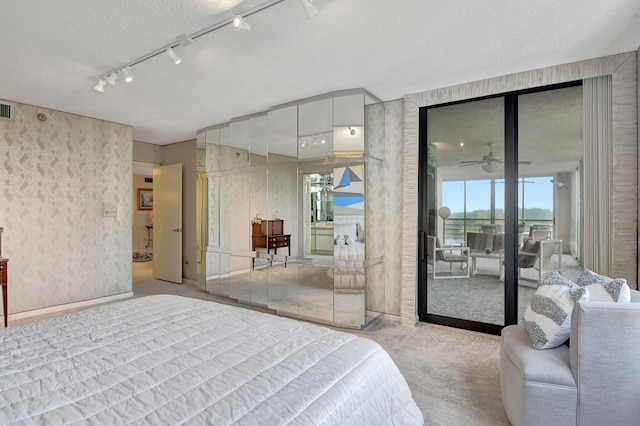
(470, 164)
(524, 162)
(473, 161)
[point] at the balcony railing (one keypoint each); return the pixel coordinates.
(455, 229)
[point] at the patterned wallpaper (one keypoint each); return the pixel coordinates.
(56, 176)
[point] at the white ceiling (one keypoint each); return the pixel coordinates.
(53, 52)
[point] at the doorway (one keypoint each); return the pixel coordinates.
(499, 172)
(142, 221)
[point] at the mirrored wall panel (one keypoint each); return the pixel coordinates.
(284, 204)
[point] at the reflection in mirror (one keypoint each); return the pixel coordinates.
(315, 124)
(349, 236)
(201, 227)
(274, 210)
(315, 290)
(258, 130)
(348, 125)
(235, 149)
(318, 213)
(282, 134)
(283, 288)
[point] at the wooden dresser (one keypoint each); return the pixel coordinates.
(270, 234)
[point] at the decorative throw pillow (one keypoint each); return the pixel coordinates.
(339, 241)
(605, 289)
(548, 316)
(360, 232)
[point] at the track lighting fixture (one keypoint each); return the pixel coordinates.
(239, 23)
(128, 77)
(352, 131)
(309, 8)
(303, 143)
(100, 86)
(185, 40)
(175, 58)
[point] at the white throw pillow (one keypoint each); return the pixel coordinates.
(605, 289)
(548, 316)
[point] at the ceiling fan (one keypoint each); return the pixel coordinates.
(489, 162)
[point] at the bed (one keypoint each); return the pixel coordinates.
(168, 359)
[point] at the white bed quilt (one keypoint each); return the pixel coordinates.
(174, 360)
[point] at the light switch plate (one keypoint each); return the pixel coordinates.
(110, 210)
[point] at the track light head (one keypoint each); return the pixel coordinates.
(111, 78)
(240, 24)
(309, 8)
(128, 77)
(100, 86)
(175, 58)
(352, 131)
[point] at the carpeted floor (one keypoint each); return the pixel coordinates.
(453, 374)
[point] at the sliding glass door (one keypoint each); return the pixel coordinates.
(464, 245)
(550, 148)
(499, 197)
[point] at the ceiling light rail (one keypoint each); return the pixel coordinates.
(183, 40)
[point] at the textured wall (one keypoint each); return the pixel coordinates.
(624, 217)
(394, 172)
(147, 153)
(624, 226)
(55, 176)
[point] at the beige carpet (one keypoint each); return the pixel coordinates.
(453, 374)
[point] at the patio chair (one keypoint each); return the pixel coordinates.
(488, 246)
(492, 228)
(453, 254)
(539, 232)
(537, 255)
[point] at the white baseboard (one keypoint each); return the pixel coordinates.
(74, 305)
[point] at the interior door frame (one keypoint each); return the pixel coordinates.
(427, 214)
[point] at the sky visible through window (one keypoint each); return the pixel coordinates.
(538, 193)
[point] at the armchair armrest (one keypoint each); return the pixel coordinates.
(604, 348)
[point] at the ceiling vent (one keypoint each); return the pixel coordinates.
(6, 111)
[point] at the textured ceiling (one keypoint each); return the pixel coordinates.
(53, 52)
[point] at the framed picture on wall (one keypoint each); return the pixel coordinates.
(145, 199)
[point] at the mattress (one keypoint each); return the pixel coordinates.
(174, 360)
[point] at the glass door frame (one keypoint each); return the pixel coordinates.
(427, 212)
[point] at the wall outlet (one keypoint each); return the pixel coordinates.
(109, 211)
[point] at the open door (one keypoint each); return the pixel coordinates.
(167, 223)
